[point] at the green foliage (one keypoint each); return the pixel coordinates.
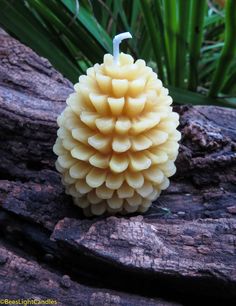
(228, 53)
(198, 9)
(190, 43)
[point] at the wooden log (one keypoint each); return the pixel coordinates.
(23, 278)
(185, 244)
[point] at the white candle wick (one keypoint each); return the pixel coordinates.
(116, 44)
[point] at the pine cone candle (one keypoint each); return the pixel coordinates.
(117, 138)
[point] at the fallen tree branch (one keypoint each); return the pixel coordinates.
(184, 243)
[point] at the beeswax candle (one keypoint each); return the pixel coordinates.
(117, 138)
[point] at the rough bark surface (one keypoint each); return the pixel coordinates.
(23, 278)
(183, 248)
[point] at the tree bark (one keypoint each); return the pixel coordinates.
(183, 248)
(23, 278)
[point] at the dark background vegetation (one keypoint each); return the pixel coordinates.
(190, 43)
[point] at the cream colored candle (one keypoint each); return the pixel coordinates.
(117, 138)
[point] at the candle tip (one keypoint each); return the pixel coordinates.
(116, 43)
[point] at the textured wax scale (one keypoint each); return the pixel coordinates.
(117, 138)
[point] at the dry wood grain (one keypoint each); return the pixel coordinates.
(185, 245)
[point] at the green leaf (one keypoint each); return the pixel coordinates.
(182, 42)
(182, 96)
(198, 10)
(229, 50)
(32, 33)
(212, 19)
(91, 24)
(154, 37)
(170, 26)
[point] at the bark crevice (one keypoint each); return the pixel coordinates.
(186, 242)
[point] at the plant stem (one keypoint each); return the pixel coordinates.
(170, 22)
(182, 41)
(154, 36)
(229, 83)
(228, 51)
(160, 25)
(197, 21)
